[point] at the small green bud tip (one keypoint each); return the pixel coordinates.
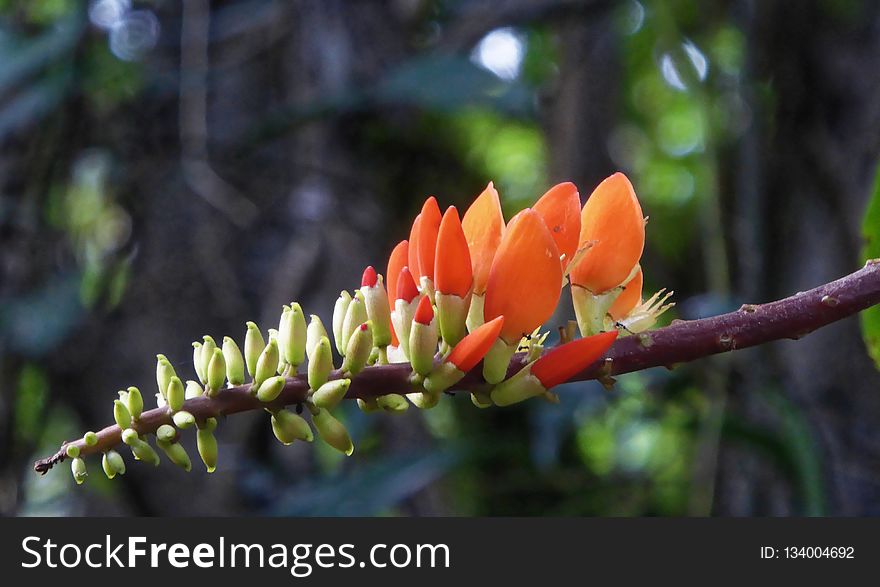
(497, 360)
(333, 432)
(175, 395)
(253, 346)
(331, 393)
(183, 420)
(442, 378)
(113, 461)
(193, 389)
(72, 451)
(295, 349)
(314, 333)
(424, 400)
(121, 414)
(207, 446)
(234, 361)
(78, 468)
(176, 454)
(166, 433)
(108, 468)
(320, 364)
(197, 361)
(135, 402)
(368, 406)
(164, 373)
(355, 316)
(210, 424)
(393, 402)
(271, 389)
(216, 372)
(360, 345)
(130, 436)
(267, 364)
(90, 438)
(208, 346)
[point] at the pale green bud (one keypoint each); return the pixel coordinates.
(207, 354)
(135, 402)
(332, 431)
(166, 439)
(283, 332)
(423, 346)
(497, 360)
(164, 373)
(360, 345)
(288, 427)
(113, 464)
(392, 402)
(90, 438)
(424, 400)
(175, 394)
(481, 400)
(522, 386)
(340, 309)
(216, 373)
(72, 451)
(402, 318)
(121, 414)
(207, 445)
(378, 311)
(314, 333)
(267, 364)
(166, 433)
(320, 363)
(368, 406)
(141, 450)
(270, 389)
(253, 347)
(183, 419)
(444, 376)
(452, 314)
(295, 349)
(197, 361)
(355, 315)
(475, 312)
(331, 393)
(234, 361)
(193, 389)
(78, 468)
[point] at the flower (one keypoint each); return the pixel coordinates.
(483, 226)
(464, 357)
(612, 221)
(525, 277)
(423, 244)
(452, 278)
(560, 208)
(396, 261)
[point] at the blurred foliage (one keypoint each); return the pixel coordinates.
(871, 234)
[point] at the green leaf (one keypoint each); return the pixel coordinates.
(871, 235)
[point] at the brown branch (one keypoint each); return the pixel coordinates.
(683, 341)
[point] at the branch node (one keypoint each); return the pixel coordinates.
(829, 301)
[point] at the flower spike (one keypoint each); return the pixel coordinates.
(524, 285)
(556, 366)
(452, 278)
(560, 208)
(464, 356)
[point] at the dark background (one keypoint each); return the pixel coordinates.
(169, 169)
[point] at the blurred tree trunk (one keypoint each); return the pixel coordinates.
(798, 211)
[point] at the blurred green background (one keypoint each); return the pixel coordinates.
(170, 169)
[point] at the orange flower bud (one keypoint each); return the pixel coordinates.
(406, 286)
(452, 260)
(396, 261)
(425, 243)
(560, 208)
(525, 278)
(483, 226)
(563, 362)
(612, 221)
(475, 345)
(425, 312)
(413, 251)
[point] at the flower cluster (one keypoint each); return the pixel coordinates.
(460, 291)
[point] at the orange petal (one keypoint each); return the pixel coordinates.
(452, 261)
(406, 286)
(525, 278)
(612, 218)
(565, 361)
(396, 261)
(413, 252)
(424, 312)
(473, 347)
(630, 297)
(429, 225)
(560, 208)
(483, 225)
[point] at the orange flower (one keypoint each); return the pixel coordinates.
(475, 345)
(423, 240)
(612, 220)
(630, 297)
(563, 362)
(396, 261)
(452, 260)
(525, 277)
(483, 225)
(560, 208)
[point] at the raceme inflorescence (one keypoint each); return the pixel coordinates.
(459, 292)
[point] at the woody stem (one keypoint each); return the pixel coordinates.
(682, 341)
